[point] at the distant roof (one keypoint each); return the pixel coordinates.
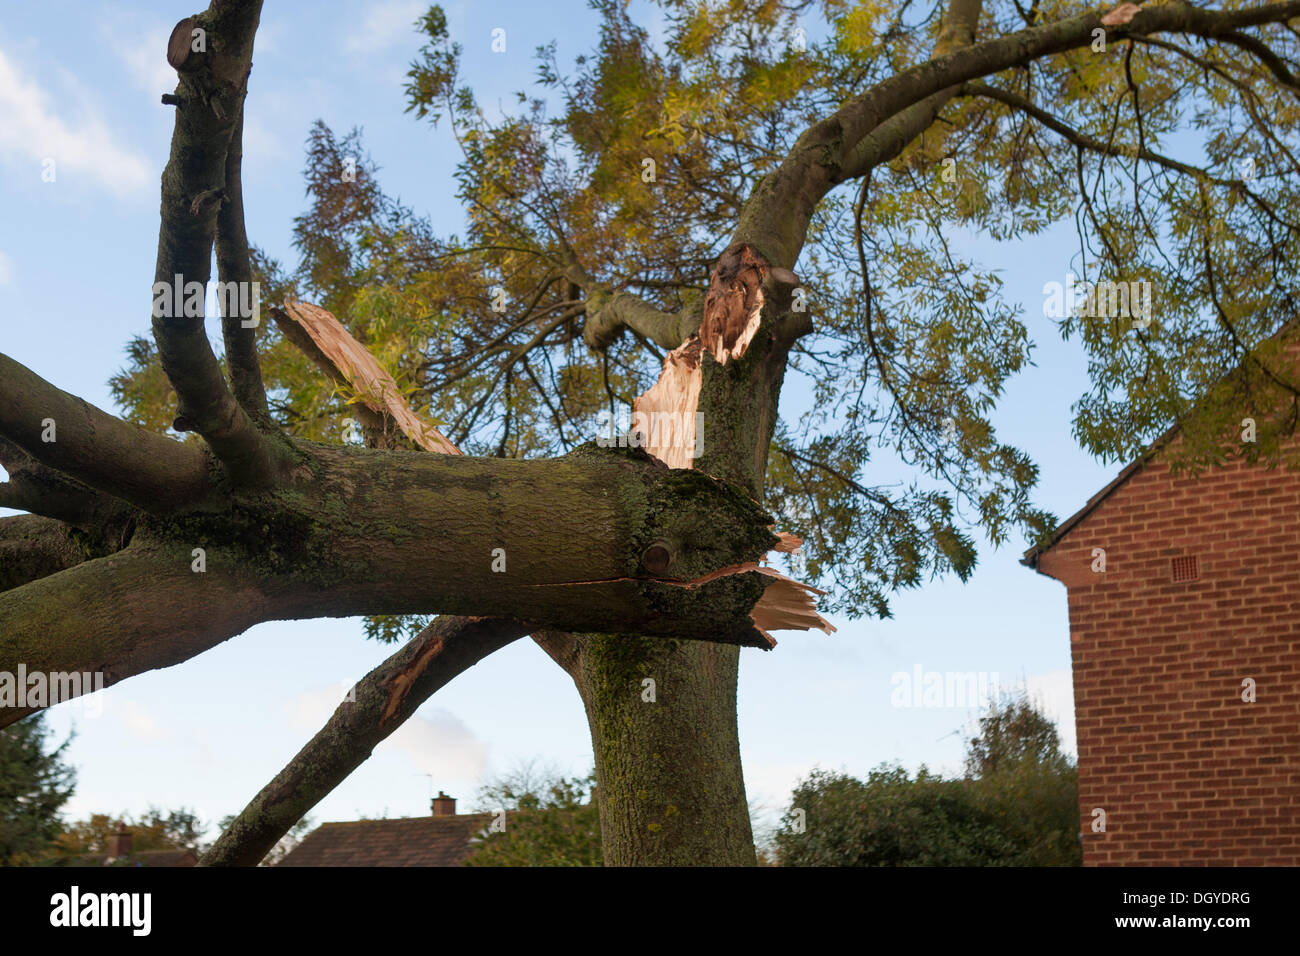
(409, 841)
(141, 858)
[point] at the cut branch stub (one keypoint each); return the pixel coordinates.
(178, 44)
(658, 558)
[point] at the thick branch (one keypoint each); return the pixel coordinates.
(194, 185)
(32, 547)
(383, 700)
(608, 313)
(601, 541)
(891, 137)
(234, 265)
(74, 437)
(776, 217)
(43, 491)
(122, 615)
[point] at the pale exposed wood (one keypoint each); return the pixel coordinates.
(374, 386)
(732, 314)
(1120, 15)
(790, 543)
(787, 605)
(668, 408)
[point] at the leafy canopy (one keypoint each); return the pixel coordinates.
(1171, 156)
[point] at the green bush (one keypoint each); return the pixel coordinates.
(1017, 805)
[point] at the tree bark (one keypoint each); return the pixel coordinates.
(669, 777)
(471, 536)
(671, 791)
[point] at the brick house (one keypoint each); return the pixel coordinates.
(443, 839)
(1197, 611)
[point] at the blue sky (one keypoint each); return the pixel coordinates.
(76, 266)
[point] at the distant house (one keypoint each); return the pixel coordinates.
(120, 853)
(443, 839)
(1184, 599)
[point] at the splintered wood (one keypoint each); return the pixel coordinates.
(733, 307)
(787, 605)
(375, 387)
(733, 310)
(674, 398)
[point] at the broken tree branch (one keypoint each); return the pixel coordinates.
(71, 436)
(334, 348)
(567, 544)
(379, 704)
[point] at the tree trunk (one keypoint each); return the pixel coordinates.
(669, 779)
(668, 772)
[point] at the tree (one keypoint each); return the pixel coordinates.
(1021, 811)
(1013, 732)
(152, 830)
(34, 786)
(551, 821)
(663, 209)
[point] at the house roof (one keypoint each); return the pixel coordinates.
(1031, 556)
(410, 841)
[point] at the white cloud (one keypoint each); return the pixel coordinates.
(312, 708)
(386, 24)
(33, 133)
(268, 36)
(441, 745)
(6, 269)
(260, 144)
(141, 723)
(138, 49)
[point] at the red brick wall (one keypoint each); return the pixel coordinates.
(1188, 773)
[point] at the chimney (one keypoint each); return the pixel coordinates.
(119, 844)
(443, 805)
